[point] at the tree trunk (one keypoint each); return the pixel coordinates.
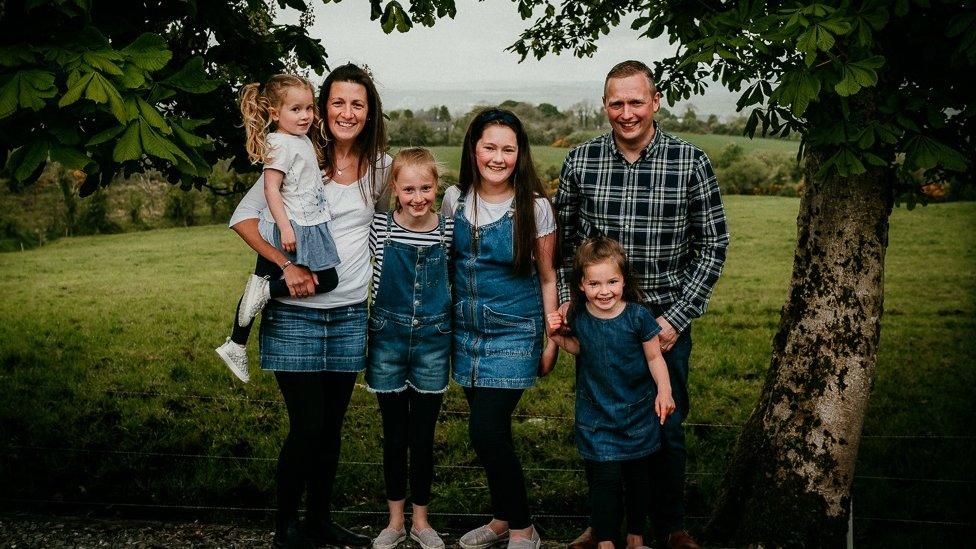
(789, 479)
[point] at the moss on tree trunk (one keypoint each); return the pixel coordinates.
(789, 480)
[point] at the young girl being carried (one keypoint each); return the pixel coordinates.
(296, 198)
(623, 392)
(410, 339)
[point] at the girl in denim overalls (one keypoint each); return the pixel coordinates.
(623, 392)
(503, 281)
(410, 339)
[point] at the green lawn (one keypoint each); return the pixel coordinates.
(106, 346)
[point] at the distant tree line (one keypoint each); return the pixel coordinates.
(544, 122)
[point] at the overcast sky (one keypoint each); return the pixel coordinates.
(469, 47)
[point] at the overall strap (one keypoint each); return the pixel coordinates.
(389, 227)
(440, 226)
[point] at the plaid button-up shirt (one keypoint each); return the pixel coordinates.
(665, 209)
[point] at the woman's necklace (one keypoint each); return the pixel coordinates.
(345, 156)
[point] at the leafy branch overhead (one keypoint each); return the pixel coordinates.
(109, 90)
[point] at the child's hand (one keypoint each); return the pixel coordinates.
(554, 321)
(287, 238)
(664, 405)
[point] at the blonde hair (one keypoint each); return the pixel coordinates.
(415, 157)
(257, 101)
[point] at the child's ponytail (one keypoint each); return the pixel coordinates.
(257, 120)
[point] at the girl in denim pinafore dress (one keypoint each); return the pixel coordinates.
(623, 391)
(503, 282)
(410, 340)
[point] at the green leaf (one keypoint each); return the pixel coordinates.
(151, 115)
(796, 90)
(105, 89)
(75, 90)
(132, 76)
(19, 54)
(103, 61)
(129, 146)
(70, 158)
(192, 78)
(149, 52)
(26, 89)
(923, 152)
(35, 153)
(188, 138)
(103, 136)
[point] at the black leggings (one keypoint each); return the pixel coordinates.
(316, 403)
(409, 418)
(490, 429)
(328, 280)
(613, 481)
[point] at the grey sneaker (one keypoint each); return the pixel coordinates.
(389, 539)
(235, 357)
(482, 537)
(522, 543)
(256, 296)
(427, 538)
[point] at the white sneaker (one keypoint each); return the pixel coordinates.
(234, 356)
(256, 295)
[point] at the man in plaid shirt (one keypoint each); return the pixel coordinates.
(657, 195)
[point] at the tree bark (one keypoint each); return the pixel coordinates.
(789, 480)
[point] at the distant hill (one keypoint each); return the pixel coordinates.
(462, 96)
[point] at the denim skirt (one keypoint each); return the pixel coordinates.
(305, 339)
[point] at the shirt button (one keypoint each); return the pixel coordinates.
(417, 285)
(416, 303)
(415, 322)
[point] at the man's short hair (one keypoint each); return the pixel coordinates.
(630, 68)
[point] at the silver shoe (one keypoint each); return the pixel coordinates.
(235, 357)
(427, 538)
(522, 543)
(389, 539)
(256, 296)
(482, 537)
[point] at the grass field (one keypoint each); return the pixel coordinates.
(110, 390)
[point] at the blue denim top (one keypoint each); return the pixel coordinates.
(413, 283)
(615, 418)
(497, 312)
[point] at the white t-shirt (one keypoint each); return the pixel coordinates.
(351, 218)
(301, 189)
(489, 212)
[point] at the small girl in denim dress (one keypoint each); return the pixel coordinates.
(296, 198)
(410, 339)
(623, 391)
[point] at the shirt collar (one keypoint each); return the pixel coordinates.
(645, 152)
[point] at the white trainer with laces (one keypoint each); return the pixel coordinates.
(234, 356)
(256, 295)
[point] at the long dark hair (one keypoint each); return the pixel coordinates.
(525, 180)
(371, 142)
(597, 250)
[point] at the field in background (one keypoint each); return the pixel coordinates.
(110, 390)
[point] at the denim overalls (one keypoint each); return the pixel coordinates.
(410, 320)
(497, 313)
(615, 417)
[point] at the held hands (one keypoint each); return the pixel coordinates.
(668, 334)
(287, 238)
(664, 405)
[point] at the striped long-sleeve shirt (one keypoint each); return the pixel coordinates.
(665, 209)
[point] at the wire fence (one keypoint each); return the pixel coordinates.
(20, 448)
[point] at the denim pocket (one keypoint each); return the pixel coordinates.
(376, 324)
(509, 335)
(641, 415)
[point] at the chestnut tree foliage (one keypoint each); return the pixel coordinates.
(106, 87)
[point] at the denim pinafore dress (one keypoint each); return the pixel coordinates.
(615, 416)
(410, 319)
(497, 312)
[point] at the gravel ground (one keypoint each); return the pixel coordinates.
(21, 530)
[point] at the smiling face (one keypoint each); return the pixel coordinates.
(416, 189)
(346, 110)
(295, 113)
(630, 103)
(603, 285)
(496, 154)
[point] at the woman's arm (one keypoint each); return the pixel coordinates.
(301, 282)
(544, 249)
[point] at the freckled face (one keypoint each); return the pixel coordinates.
(496, 154)
(416, 190)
